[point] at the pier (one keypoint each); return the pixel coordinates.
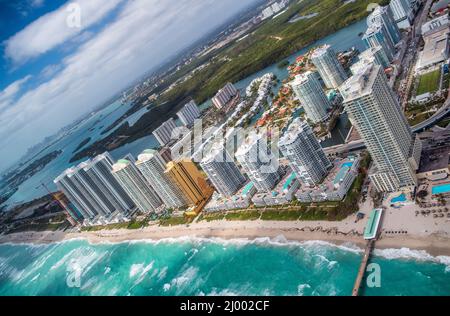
(362, 268)
(371, 234)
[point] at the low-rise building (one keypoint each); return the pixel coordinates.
(283, 193)
(435, 160)
(336, 184)
(436, 49)
(241, 200)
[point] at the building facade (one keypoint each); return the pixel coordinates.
(371, 55)
(328, 66)
(189, 113)
(309, 91)
(377, 36)
(152, 166)
(185, 174)
(384, 16)
(94, 192)
(402, 12)
(259, 163)
(163, 133)
(224, 95)
(134, 183)
(374, 111)
(222, 171)
(304, 153)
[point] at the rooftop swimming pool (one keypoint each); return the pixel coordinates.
(441, 189)
(399, 199)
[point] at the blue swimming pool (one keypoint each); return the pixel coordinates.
(399, 199)
(348, 164)
(441, 189)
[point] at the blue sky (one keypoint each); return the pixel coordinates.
(60, 59)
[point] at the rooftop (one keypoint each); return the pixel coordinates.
(360, 83)
(121, 164)
(320, 51)
(435, 49)
(334, 178)
(297, 126)
(146, 155)
(302, 78)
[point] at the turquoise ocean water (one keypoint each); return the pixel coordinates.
(212, 267)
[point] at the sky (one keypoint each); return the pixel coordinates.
(61, 59)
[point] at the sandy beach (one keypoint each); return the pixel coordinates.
(423, 233)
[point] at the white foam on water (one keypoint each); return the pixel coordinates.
(166, 287)
(162, 274)
(35, 277)
(411, 254)
(185, 277)
(301, 289)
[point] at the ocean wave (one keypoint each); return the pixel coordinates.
(301, 289)
(140, 270)
(411, 254)
(184, 278)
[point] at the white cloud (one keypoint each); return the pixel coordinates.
(145, 33)
(52, 29)
(8, 94)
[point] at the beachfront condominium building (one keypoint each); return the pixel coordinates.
(376, 114)
(328, 66)
(134, 183)
(185, 174)
(99, 171)
(377, 36)
(384, 16)
(222, 171)
(258, 162)
(402, 12)
(375, 55)
(309, 91)
(76, 193)
(224, 95)
(152, 166)
(189, 113)
(304, 153)
(93, 190)
(163, 133)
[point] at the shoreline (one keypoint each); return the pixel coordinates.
(283, 232)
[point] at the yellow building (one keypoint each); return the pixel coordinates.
(190, 180)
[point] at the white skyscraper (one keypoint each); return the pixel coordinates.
(163, 133)
(99, 171)
(376, 114)
(133, 182)
(152, 167)
(222, 171)
(384, 16)
(76, 193)
(309, 91)
(93, 190)
(328, 66)
(189, 113)
(402, 12)
(377, 36)
(258, 162)
(306, 157)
